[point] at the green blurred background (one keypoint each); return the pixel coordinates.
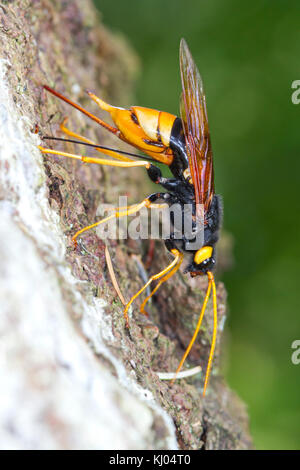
(248, 54)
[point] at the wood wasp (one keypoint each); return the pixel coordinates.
(183, 144)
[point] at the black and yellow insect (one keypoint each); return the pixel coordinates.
(183, 144)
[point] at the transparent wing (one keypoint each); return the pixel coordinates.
(195, 124)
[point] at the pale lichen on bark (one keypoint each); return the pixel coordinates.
(72, 376)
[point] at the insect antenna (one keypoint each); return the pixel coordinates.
(211, 286)
(215, 327)
(195, 332)
(46, 137)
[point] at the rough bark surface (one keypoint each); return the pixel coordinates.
(71, 375)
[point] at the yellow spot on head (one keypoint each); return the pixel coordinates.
(204, 253)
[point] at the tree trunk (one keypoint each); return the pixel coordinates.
(72, 376)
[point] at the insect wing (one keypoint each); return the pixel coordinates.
(195, 124)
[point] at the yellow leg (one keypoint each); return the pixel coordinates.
(164, 279)
(120, 212)
(178, 258)
(99, 161)
(196, 331)
(111, 153)
(215, 328)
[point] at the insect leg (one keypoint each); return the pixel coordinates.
(177, 259)
(99, 161)
(169, 245)
(164, 279)
(123, 211)
(111, 153)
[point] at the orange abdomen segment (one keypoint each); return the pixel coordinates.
(156, 124)
(146, 129)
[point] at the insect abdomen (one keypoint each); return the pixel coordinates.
(156, 124)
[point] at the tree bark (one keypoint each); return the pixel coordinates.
(72, 376)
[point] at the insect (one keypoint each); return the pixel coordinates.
(183, 144)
